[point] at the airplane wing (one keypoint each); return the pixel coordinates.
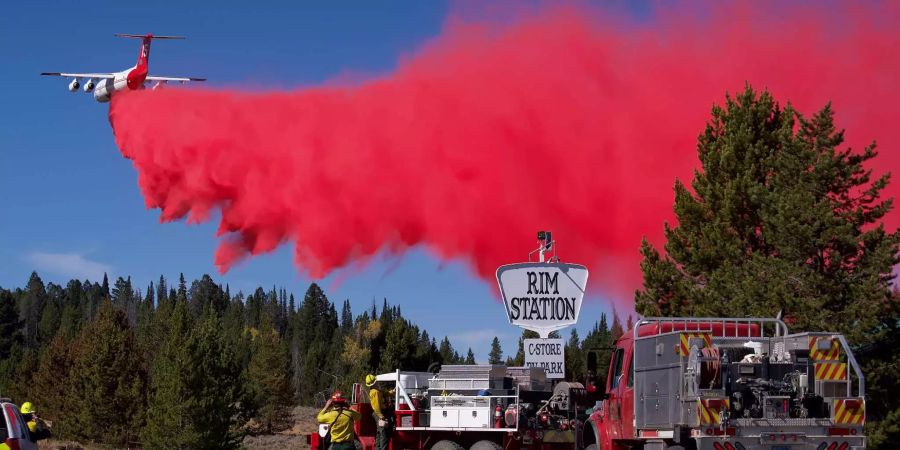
(181, 79)
(80, 75)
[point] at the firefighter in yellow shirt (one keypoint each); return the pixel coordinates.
(340, 418)
(37, 428)
(378, 400)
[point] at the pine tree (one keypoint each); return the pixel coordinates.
(10, 333)
(575, 358)
(496, 354)
(161, 291)
(169, 397)
(519, 359)
(32, 308)
(269, 376)
(195, 389)
(470, 357)
(149, 296)
(107, 381)
(104, 288)
(122, 292)
(780, 218)
(400, 349)
(50, 321)
(448, 355)
(219, 387)
(144, 327)
(313, 333)
(181, 294)
(25, 365)
(346, 317)
(70, 321)
(597, 343)
(51, 384)
(615, 331)
(206, 293)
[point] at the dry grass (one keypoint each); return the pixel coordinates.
(294, 438)
(303, 420)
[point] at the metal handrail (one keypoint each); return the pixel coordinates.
(705, 324)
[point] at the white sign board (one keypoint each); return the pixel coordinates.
(542, 297)
(546, 353)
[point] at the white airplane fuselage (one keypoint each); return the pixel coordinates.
(106, 87)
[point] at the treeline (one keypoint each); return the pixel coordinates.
(191, 365)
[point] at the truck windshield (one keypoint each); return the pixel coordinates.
(617, 369)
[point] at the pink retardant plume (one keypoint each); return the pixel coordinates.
(568, 119)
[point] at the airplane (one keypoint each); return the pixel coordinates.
(132, 78)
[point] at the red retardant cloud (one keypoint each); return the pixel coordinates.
(568, 119)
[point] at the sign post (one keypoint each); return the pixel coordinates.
(543, 297)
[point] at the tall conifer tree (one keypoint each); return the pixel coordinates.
(107, 381)
(496, 354)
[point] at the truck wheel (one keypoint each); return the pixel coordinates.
(486, 445)
(446, 445)
(591, 447)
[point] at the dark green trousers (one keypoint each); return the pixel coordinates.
(343, 445)
(381, 435)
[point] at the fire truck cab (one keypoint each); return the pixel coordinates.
(729, 384)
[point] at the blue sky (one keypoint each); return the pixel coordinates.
(70, 204)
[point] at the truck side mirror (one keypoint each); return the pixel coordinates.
(592, 362)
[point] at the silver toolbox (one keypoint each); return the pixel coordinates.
(475, 377)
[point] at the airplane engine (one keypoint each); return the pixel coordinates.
(74, 85)
(89, 86)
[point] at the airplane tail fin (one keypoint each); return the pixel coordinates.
(144, 56)
(146, 36)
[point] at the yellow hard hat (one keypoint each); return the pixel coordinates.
(370, 380)
(27, 408)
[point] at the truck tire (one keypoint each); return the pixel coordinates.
(485, 445)
(446, 444)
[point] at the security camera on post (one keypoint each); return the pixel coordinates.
(543, 296)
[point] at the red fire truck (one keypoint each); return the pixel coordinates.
(673, 383)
